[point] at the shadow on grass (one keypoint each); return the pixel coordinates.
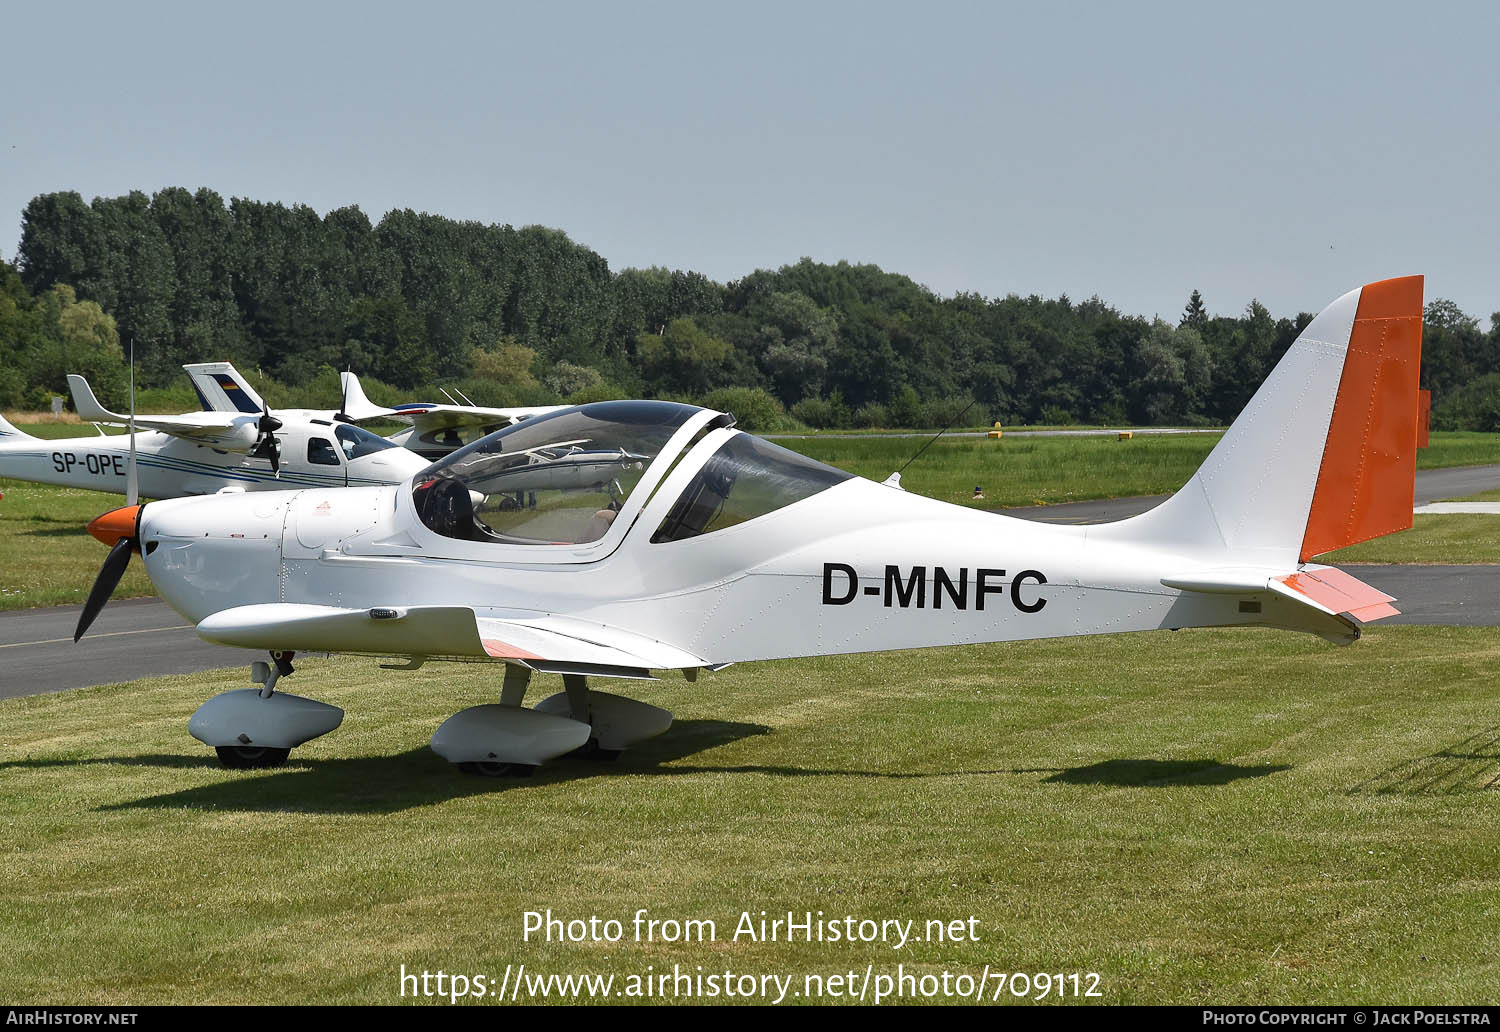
(149, 760)
(419, 777)
(1162, 773)
(389, 784)
(1471, 764)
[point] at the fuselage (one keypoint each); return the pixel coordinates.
(859, 567)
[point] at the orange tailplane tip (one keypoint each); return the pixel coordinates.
(116, 524)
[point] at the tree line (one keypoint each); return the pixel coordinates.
(526, 316)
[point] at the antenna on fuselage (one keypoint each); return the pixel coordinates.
(951, 423)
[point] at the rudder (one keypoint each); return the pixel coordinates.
(1367, 478)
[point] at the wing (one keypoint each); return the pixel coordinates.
(540, 641)
(428, 418)
(204, 427)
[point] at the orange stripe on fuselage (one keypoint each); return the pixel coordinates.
(1365, 484)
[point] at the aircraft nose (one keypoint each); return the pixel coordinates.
(391, 466)
(116, 524)
(217, 552)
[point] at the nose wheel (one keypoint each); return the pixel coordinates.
(255, 728)
(498, 770)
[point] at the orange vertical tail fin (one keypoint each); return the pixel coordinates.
(1366, 481)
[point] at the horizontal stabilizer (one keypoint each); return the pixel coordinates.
(1324, 601)
(1340, 593)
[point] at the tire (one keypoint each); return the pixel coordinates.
(247, 757)
(498, 770)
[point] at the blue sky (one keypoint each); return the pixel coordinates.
(1287, 152)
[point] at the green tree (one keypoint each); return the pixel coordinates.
(384, 338)
(1194, 314)
(682, 358)
(509, 364)
(82, 339)
(568, 379)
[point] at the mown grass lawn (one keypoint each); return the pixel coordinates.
(1046, 470)
(46, 555)
(1457, 538)
(1208, 816)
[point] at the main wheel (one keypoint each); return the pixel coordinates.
(592, 750)
(248, 757)
(498, 770)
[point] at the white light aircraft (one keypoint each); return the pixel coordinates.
(621, 538)
(208, 452)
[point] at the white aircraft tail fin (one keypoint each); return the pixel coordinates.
(221, 388)
(10, 433)
(1323, 456)
(356, 405)
(87, 406)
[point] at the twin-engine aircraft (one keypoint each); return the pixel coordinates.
(618, 539)
(225, 450)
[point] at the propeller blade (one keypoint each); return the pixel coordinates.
(265, 444)
(268, 424)
(132, 479)
(104, 585)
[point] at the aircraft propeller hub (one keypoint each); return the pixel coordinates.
(116, 524)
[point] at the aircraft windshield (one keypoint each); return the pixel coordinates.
(747, 477)
(557, 479)
(357, 442)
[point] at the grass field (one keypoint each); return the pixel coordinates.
(1048, 470)
(1209, 816)
(47, 559)
(1434, 538)
(46, 556)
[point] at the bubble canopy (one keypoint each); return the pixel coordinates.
(556, 479)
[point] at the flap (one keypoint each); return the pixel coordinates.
(554, 644)
(543, 641)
